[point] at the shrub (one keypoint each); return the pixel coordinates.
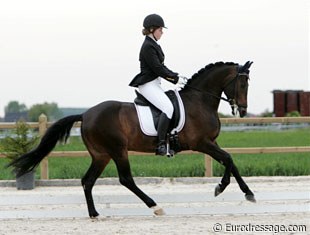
(19, 142)
(293, 114)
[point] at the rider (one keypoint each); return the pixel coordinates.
(148, 80)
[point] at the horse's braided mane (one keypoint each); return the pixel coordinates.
(209, 68)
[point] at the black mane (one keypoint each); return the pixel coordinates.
(208, 68)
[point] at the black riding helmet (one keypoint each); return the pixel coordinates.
(153, 20)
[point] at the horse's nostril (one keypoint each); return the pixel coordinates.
(242, 112)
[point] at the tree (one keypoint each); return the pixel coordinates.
(21, 141)
(51, 110)
(18, 143)
(15, 107)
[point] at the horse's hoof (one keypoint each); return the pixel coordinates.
(218, 190)
(158, 210)
(94, 215)
(250, 198)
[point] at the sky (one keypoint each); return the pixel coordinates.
(79, 53)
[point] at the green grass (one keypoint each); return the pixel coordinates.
(183, 165)
(286, 164)
(300, 137)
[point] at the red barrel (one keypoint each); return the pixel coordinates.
(279, 103)
(304, 103)
(292, 101)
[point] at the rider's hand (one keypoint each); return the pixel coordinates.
(182, 81)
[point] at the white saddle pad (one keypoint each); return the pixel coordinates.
(146, 118)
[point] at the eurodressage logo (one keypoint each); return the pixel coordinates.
(274, 228)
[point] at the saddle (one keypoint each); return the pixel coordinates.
(141, 100)
(149, 115)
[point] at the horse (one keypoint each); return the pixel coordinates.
(110, 129)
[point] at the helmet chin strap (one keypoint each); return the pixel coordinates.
(153, 36)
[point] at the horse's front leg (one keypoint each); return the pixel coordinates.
(222, 157)
(249, 195)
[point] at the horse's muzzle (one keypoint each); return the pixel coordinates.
(242, 111)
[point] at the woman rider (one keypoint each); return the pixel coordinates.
(148, 80)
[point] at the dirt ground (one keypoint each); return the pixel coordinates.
(151, 225)
(254, 222)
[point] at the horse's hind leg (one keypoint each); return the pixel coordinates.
(125, 178)
(88, 181)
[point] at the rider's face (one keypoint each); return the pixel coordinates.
(158, 33)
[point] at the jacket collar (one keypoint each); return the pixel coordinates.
(150, 39)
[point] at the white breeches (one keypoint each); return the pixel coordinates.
(154, 93)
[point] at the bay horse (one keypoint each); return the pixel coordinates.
(111, 128)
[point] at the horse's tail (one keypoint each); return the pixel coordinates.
(59, 131)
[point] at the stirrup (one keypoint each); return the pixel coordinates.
(164, 149)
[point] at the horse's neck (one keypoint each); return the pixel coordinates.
(215, 82)
(210, 88)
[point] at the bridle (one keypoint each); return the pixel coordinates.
(232, 101)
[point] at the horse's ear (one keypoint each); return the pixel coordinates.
(249, 63)
(246, 66)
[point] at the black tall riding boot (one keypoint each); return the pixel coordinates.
(163, 125)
